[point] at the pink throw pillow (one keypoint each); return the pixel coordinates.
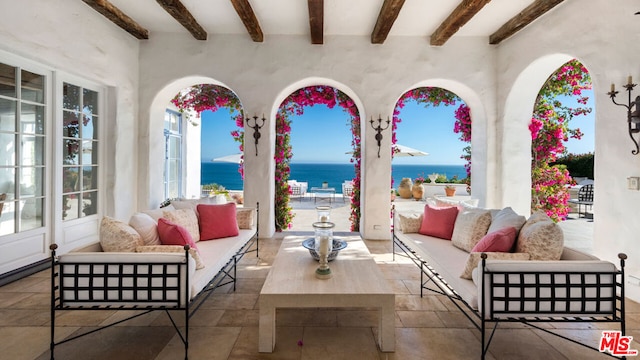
(174, 234)
(497, 241)
(438, 222)
(218, 221)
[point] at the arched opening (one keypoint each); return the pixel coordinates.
(153, 143)
(438, 121)
(221, 124)
(560, 107)
(285, 188)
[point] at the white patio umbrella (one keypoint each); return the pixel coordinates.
(234, 158)
(407, 151)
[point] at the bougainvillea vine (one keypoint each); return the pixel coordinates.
(295, 104)
(549, 131)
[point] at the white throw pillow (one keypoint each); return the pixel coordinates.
(506, 218)
(471, 225)
(117, 236)
(157, 213)
(146, 227)
(244, 218)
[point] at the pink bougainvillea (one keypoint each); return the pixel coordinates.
(549, 131)
(295, 104)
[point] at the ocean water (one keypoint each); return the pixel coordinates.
(227, 175)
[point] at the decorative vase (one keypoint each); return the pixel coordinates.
(450, 191)
(417, 190)
(323, 232)
(404, 189)
(325, 184)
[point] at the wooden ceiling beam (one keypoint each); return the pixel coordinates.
(524, 18)
(249, 19)
(465, 11)
(388, 15)
(184, 17)
(316, 20)
(119, 18)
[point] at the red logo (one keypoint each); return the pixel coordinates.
(616, 344)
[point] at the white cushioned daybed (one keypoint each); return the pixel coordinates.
(165, 259)
(497, 266)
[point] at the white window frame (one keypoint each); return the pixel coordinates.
(167, 150)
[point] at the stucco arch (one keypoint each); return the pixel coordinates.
(515, 151)
(152, 142)
(481, 164)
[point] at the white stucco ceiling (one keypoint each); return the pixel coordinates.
(341, 17)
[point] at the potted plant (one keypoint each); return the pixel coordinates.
(417, 190)
(404, 189)
(450, 190)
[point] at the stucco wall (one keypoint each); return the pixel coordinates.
(376, 76)
(601, 36)
(69, 36)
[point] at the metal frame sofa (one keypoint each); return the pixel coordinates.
(90, 279)
(577, 287)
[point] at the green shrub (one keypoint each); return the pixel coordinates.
(578, 164)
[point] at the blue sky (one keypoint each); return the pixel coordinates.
(323, 135)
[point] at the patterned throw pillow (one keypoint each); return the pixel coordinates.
(438, 222)
(117, 236)
(542, 240)
(172, 249)
(410, 223)
(186, 218)
(474, 258)
(470, 226)
(244, 218)
(146, 227)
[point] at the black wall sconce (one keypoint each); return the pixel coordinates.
(379, 130)
(633, 111)
(256, 128)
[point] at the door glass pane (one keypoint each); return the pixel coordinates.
(89, 201)
(32, 87)
(70, 206)
(7, 217)
(71, 97)
(31, 181)
(32, 119)
(70, 181)
(174, 147)
(7, 80)
(71, 151)
(88, 152)
(32, 150)
(30, 214)
(89, 127)
(7, 181)
(7, 115)
(7, 149)
(89, 178)
(90, 100)
(70, 124)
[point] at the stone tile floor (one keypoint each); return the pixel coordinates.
(226, 327)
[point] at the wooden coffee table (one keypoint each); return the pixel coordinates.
(356, 282)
